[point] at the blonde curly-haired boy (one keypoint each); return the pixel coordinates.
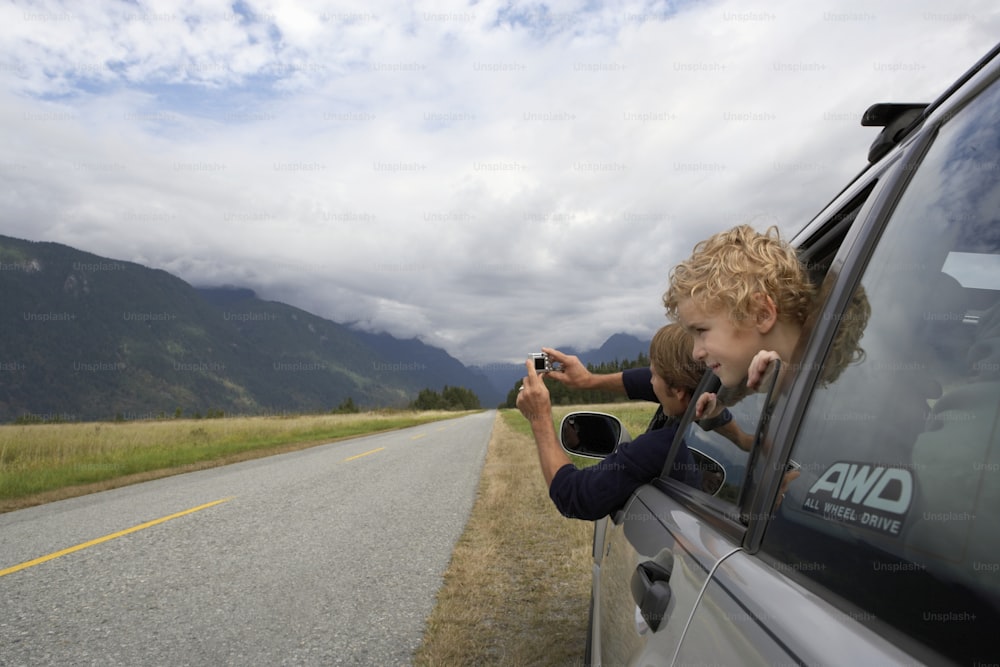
(744, 297)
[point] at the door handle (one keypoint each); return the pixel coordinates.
(651, 589)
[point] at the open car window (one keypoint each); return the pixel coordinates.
(722, 455)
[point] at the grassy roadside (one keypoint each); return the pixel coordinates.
(41, 463)
(517, 590)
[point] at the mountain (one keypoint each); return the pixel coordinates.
(429, 366)
(87, 337)
(294, 336)
(618, 347)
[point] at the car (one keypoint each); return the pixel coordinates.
(884, 548)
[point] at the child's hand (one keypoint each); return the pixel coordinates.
(789, 477)
(758, 367)
(707, 406)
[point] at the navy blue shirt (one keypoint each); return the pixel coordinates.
(595, 492)
(639, 384)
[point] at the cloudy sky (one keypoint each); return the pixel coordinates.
(490, 177)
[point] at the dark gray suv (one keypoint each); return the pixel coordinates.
(886, 548)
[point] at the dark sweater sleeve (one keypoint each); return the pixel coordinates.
(638, 384)
(595, 492)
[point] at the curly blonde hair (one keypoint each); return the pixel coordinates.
(727, 272)
(846, 348)
(670, 355)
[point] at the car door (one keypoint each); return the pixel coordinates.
(657, 558)
(650, 581)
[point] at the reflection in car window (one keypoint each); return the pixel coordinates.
(724, 484)
(721, 462)
(895, 510)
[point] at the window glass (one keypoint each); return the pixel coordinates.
(896, 507)
(722, 462)
(722, 454)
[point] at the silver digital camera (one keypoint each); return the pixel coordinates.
(542, 362)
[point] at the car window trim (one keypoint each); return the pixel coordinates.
(708, 382)
(722, 515)
(836, 228)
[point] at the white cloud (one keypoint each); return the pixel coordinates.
(490, 177)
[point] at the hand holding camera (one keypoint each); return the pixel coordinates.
(566, 369)
(533, 396)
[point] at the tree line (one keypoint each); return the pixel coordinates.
(450, 398)
(563, 395)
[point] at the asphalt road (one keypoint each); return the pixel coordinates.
(326, 556)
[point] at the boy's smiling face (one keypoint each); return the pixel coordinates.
(726, 348)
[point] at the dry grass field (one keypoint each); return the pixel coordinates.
(40, 463)
(517, 590)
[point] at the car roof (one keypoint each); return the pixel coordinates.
(900, 122)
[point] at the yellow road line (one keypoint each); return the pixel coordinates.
(418, 436)
(106, 538)
(358, 456)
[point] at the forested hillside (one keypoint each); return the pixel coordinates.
(86, 337)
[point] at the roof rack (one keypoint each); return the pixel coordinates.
(896, 120)
(900, 119)
(898, 136)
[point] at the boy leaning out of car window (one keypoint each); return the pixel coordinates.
(745, 297)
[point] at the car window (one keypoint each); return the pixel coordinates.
(895, 509)
(722, 455)
(725, 480)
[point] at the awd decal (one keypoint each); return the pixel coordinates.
(866, 495)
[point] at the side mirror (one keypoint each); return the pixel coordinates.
(591, 434)
(713, 473)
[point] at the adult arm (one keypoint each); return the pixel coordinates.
(732, 432)
(633, 382)
(575, 375)
(534, 403)
(595, 492)
(638, 383)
